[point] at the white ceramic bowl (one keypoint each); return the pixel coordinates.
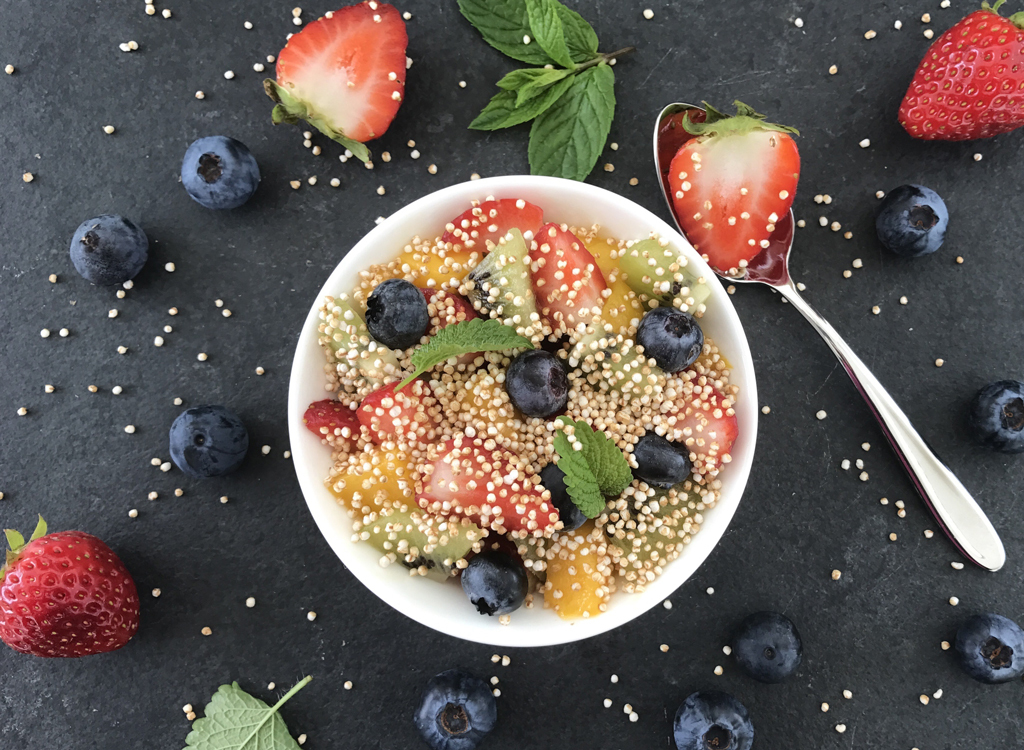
(443, 606)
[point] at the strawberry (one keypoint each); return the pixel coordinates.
(491, 220)
(707, 425)
(333, 422)
(344, 74)
(490, 487)
(65, 594)
(566, 280)
(412, 412)
(449, 308)
(970, 83)
(731, 183)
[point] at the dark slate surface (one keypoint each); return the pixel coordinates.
(875, 632)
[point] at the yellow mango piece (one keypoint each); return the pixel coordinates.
(484, 405)
(622, 305)
(579, 580)
(446, 268)
(373, 480)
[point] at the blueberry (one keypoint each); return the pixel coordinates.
(457, 710)
(109, 249)
(397, 314)
(536, 384)
(661, 463)
(208, 441)
(219, 172)
(996, 416)
(495, 583)
(990, 648)
(711, 720)
(672, 337)
(767, 646)
(912, 221)
(553, 479)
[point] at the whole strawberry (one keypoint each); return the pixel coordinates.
(65, 594)
(971, 81)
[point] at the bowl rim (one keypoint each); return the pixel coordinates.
(325, 509)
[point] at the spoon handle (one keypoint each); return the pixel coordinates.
(960, 516)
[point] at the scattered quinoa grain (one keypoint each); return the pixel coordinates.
(876, 310)
(201, 356)
(200, 95)
(821, 414)
(959, 260)
(250, 602)
(664, 648)
(177, 402)
(956, 565)
(45, 333)
(122, 350)
(347, 685)
(667, 604)
(977, 157)
(847, 273)
(156, 595)
(727, 650)
(28, 177)
(312, 180)
(801, 223)
(833, 70)
(799, 23)
(892, 537)
(731, 289)
(247, 24)
(898, 25)
(648, 14)
(928, 33)
(295, 184)
(924, 699)
(165, 466)
(335, 182)
(116, 390)
(945, 645)
(607, 702)
(63, 333)
(937, 694)
(505, 661)
(614, 678)
(53, 278)
(260, 371)
(224, 499)
(432, 169)
(166, 13)
(229, 74)
(191, 716)
(9, 69)
(953, 601)
(415, 154)
(824, 708)
(718, 671)
(152, 496)
(836, 575)
(864, 476)
(847, 694)
(50, 389)
(302, 739)
(311, 615)
(154, 462)
(133, 513)
(265, 450)
(710, 591)
(870, 34)
(928, 533)
(158, 341)
(172, 311)
(766, 410)
(226, 313)
(206, 631)
(865, 143)
(845, 464)
(179, 492)
(634, 181)
(940, 362)
(130, 429)
(840, 728)
(112, 313)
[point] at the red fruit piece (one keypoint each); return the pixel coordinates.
(344, 73)
(566, 279)
(491, 220)
(489, 487)
(731, 183)
(410, 414)
(970, 83)
(65, 594)
(707, 425)
(334, 422)
(449, 308)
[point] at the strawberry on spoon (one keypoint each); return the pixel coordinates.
(731, 183)
(344, 74)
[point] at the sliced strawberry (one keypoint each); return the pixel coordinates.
(449, 308)
(731, 183)
(566, 279)
(344, 73)
(334, 422)
(707, 425)
(411, 413)
(489, 487)
(491, 220)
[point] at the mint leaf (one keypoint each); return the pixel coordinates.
(234, 720)
(502, 112)
(547, 30)
(539, 83)
(503, 24)
(567, 139)
(580, 36)
(579, 479)
(466, 337)
(606, 462)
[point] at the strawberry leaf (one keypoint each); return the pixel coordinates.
(503, 112)
(234, 720)
(465, 337)
(290, 110)
(547, 30)
(567, 139)
(14, 540)
(40, 530)
(580, 481)
(503, 24)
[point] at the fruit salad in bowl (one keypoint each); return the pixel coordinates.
(522, 410)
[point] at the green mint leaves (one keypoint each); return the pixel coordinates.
(596, 470)
(234, 720)
(466, 337)
(572, 105)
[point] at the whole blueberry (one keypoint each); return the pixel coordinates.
(670, 336)
(661, 463)
(711, 720)
(219, 172)
(553, 479)
(495, 583)
(397, 314)
(912, 221)
(767, 646)
(208, 441)
(536, 384)
(109, 249)
(990, 648)
(996, 416)
(457, 710)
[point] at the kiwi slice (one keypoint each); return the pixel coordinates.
(647, 533)
(500, 286)
(415, 541)
(610, 362)
(659, 274)
(359, 360)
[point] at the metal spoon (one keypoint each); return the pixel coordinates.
(954, 508)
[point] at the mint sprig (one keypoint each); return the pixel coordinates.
(465, 337)
(234, 720)
(596, 470)
(572, 105)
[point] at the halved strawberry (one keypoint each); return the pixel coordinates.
(411, 413)
(731, 183)
(344, 74)
(489, 487)
(707, 425)
(566, 279)
(334, 422)
(449, 308)
(491, 220)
